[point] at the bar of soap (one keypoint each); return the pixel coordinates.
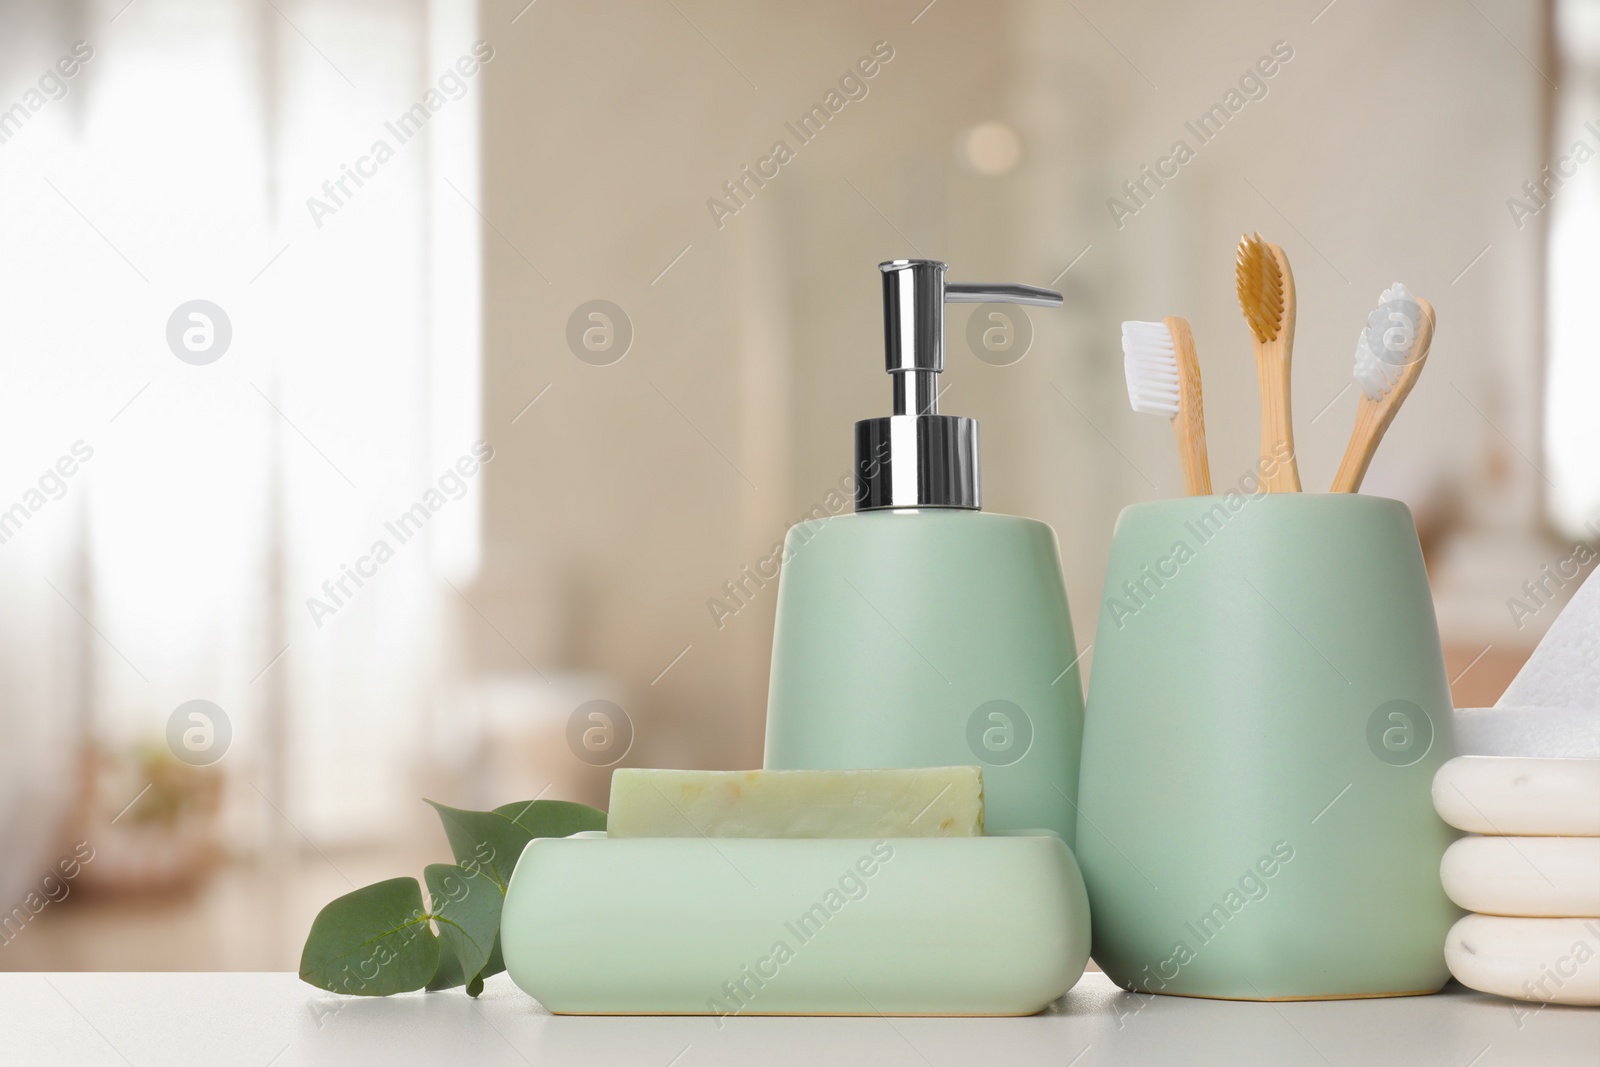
(1548, 960)
(1520, 796)
(909, 802)
(1535, 877)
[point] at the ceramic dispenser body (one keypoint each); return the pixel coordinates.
(927, 638)
(1268, 707)
(921, 631)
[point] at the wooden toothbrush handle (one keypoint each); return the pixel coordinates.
(1280, 473)
(1189, 425)
(1370, 424)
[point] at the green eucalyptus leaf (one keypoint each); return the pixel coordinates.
(553, 818)
(379, 940)
(466, 904)
(449, 975)
(496, 962)
(372, 942)
(483, 841)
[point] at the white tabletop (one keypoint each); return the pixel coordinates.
(257, 1020)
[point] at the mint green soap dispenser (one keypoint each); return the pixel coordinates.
(921, 631)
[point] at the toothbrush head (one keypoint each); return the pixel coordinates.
(1150, 360)
(1260, 285)
(1389, 342)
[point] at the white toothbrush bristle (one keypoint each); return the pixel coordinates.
(1377, 376)
(1370, 373)
(1150, 361)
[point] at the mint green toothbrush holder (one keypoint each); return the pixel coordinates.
(1267, 708)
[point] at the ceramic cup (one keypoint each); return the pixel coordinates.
(1267, 708)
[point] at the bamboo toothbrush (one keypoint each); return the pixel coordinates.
(1390, 353)
(1266, 296)
(1164, 379)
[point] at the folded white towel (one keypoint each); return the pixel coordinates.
(1509, 795)
(1543, 877)
(1556, 961)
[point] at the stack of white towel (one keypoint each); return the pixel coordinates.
(1530, 798)
(1530, 870)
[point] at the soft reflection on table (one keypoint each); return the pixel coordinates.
(259, 1020)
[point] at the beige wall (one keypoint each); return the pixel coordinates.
(1384, 150)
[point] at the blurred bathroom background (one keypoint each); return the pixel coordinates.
(397, 217)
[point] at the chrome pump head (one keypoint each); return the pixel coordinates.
(918, 458)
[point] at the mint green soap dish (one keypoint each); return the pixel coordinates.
(753, 926)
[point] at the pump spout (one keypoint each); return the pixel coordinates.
(918, 458)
